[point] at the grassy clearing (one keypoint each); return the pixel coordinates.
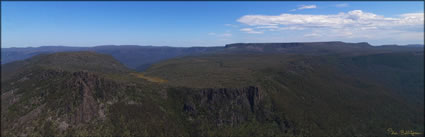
(148, 78)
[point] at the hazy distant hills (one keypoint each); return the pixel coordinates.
(141, 57)
(242, 89)
(415, 45)
(135, 57)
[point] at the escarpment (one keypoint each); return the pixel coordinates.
(228, 107)
(86, 86)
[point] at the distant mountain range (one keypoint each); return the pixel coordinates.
(242, 89)
(415, 45)
(141, 57)
(136, 57)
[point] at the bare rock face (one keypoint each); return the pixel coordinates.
(247, 98)
(89, 107)
(224, 108)
(229, 107)
(91, 91)
(83, 83)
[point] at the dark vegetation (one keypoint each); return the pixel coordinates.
(289, 89)
(141, 57)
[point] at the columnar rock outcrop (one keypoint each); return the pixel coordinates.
(223, 106)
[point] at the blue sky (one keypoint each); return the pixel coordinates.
(208, 23)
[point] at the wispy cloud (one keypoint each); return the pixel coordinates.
(312, 35)
(227, 34)
(343, 5)
(250, 30)
(353, 24)
(231, 25)
(302, 7)
(355, 18)
(307, 7)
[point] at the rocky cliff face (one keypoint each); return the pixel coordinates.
(229, 107)
(85, 84)
(56, 100)
(261, 45)
(307, 48)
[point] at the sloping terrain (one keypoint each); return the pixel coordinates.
(73, 94)
(65, 94)
(235, 92)
(323, 95)
(141, 57)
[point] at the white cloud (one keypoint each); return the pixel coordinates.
(307, 7)
(343, 5)
(352, 19)
(301, 7)
(412, 18)
(227, 34)
(250, 30)
(312, 35)
(267, 27)
(354, 24)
